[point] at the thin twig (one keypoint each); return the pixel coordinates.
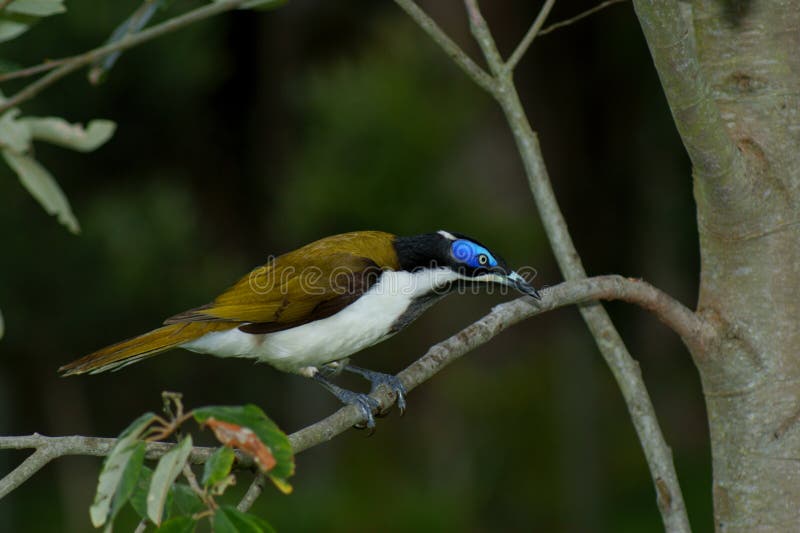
(692, 329)
(76, 62)
(188, 473)
(48, 64)
(599, 7)
(32, 464)
(526, 41)
(480, 30)
(253, 492)
(429, 26)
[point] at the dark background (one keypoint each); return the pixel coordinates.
(255, 132)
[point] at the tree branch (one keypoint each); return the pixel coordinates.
(717, 161)
(482, 35)
(50, 448)
(625, 370)
(253, 492)
(581, 291)
(691, 328)
(429, 26)
(32, 464)
(580, 16)
(526, 41)
(48, 64)
(69, 65)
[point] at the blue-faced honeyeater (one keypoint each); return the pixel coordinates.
(306, 311)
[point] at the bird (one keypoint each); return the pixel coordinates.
(306, 311)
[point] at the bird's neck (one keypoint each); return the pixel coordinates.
(419, 283)
(414, 292)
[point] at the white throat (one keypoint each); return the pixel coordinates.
(412, 285)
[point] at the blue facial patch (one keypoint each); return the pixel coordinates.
(471, 254)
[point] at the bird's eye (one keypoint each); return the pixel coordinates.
(482, 259)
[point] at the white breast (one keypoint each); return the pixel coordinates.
(363, 323)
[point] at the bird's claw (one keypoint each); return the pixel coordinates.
(377, 379)
(394, 385)
(366, 406)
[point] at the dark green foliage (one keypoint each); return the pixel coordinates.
(228, 519)
(179, 524)
(158, 497)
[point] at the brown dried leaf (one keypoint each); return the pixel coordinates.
(245, 439)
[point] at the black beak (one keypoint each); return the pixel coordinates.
(519, 283)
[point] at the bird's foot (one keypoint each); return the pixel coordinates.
(377, 379)
(365, 403)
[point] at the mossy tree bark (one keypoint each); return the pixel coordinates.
(731, 72)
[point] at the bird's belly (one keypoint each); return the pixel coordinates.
(365, 322)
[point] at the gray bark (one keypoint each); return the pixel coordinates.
(731, 72)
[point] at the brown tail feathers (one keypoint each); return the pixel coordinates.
(147, 345)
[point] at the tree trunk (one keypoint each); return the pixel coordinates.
(738, 114)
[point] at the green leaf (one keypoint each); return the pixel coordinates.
(139, 497)
(251, 416)
(183, 501)
(179, 524)
(167, 471)
(14, 134)
(38, 8)
(130, 478)
(229, 519)
(12, 26)
(218, 466)
(115, 467)
(58, 131)
(42, 186)
(20, 15)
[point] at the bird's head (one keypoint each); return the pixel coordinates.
(467, 260)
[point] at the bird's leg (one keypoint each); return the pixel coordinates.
(378, 378)
(365, 403)
(334, 368)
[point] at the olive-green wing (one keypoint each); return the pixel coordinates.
(313, 281)
(349, 286)
(285, 293)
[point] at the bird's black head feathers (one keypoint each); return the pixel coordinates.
(456, 251)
